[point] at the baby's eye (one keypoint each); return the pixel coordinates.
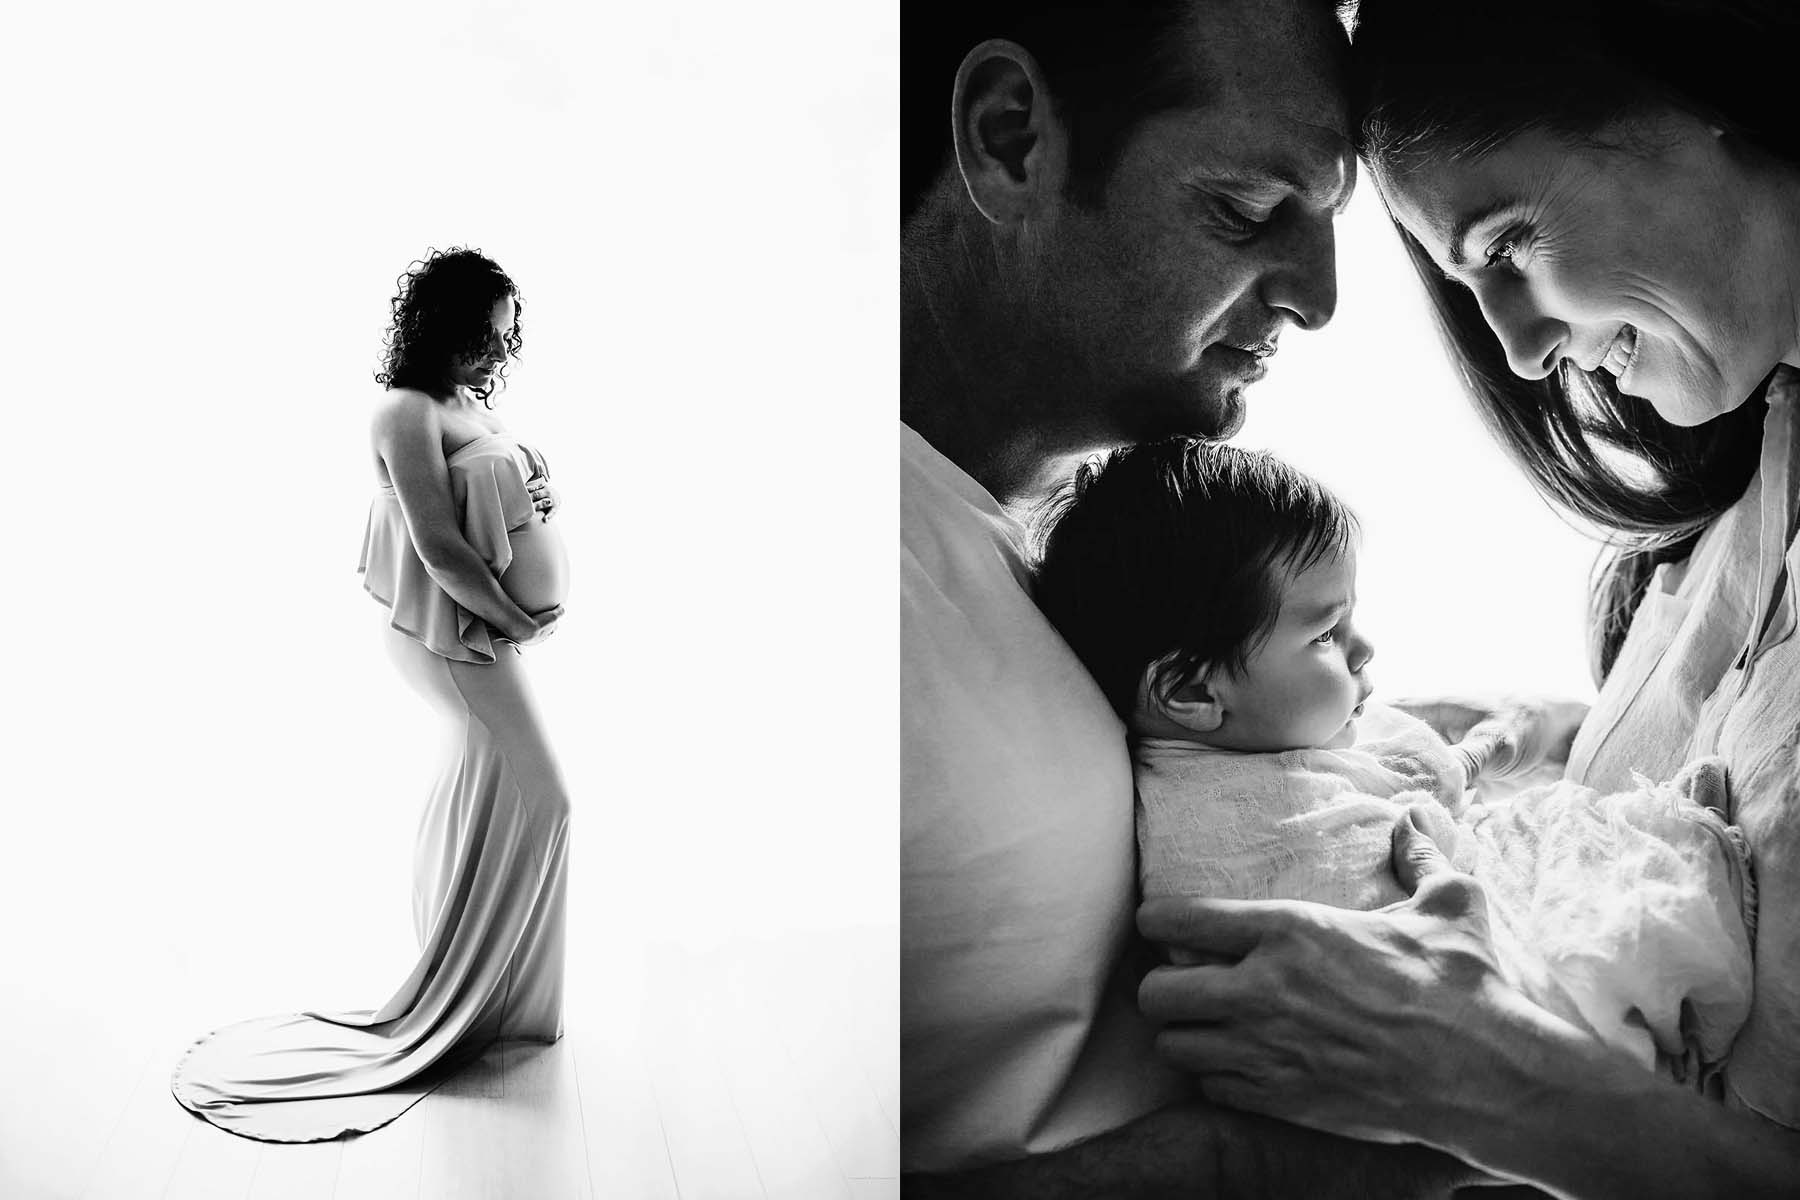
(1326, 638)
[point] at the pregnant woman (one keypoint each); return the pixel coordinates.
(460, 553)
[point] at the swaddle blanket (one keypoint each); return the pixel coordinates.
(1627, 913)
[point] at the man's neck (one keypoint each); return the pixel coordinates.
(972, 383)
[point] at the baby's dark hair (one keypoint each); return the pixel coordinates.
(1178, 550)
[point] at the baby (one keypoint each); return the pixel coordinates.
(1211, 592)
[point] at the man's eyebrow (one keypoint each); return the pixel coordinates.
(1260, 174)
(1279, 175)
(1463, 225)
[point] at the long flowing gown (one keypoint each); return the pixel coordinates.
(489, 868)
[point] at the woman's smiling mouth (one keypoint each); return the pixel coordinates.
(1622, 352)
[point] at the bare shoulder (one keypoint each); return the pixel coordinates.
(404, 414)
(399, 408)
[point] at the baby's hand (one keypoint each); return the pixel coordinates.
(1472, 756)
(1505, 738)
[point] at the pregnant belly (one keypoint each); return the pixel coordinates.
(538, 576)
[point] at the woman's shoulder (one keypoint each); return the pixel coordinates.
(406, 404)
(405, 414)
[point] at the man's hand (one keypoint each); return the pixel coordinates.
(1505, 736)
(1394, 1025)
(1397, 1025)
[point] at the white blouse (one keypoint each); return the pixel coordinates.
(1711, 666)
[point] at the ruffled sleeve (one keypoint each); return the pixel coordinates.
(490, 495)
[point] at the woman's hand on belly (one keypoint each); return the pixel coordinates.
(544, 497)
(542, 625)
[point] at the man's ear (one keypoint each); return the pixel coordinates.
(1010, 148)
(1192, 701)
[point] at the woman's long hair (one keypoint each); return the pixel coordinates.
(1433, 80)
(443, 312)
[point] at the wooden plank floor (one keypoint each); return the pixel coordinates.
(753, 1068)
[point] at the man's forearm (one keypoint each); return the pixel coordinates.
(1607, 1128)
(1198, 1152)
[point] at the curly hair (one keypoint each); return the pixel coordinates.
(441, 314)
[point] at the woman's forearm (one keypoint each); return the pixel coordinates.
(466, 578)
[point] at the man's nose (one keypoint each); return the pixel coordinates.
(1302, 282)
(1533, 341)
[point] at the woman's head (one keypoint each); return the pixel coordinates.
(456, 323)
(1649, 262)
(1589, 185)
(1602, 218)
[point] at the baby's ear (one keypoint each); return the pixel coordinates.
(1184, 698)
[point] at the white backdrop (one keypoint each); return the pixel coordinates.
(211, 202)
(210, 205)
(1467, 580)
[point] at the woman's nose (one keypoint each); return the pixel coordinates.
(1533, 342)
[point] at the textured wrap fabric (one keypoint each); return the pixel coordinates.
(1629, 913)
(488, 486)
(1301, 824)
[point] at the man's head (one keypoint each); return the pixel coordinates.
(1211, 592)
(1151, 190)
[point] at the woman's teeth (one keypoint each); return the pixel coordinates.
(1621, 352)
